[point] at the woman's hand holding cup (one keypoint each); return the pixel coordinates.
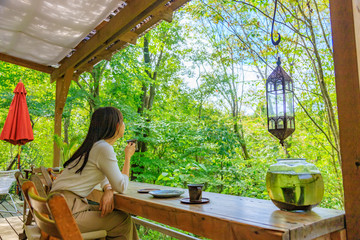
(130, 149)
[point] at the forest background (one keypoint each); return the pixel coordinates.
(193, 93)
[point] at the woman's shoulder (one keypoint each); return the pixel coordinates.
(102, 146)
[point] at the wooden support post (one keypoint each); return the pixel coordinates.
(339, 235)
(345, 23)
(62, 89)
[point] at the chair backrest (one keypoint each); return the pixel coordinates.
(54, 173)
(38, 185)
(6, 180)
(27, 216)
(20, 178)
(52, 215)
(44, 176)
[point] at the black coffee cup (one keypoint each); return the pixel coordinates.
(195, 192)
(133, 141)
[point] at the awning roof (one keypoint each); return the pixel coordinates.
(53, 36)
(45, 31)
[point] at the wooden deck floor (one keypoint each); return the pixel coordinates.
(11, 223)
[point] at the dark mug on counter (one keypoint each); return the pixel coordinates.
(195, 192)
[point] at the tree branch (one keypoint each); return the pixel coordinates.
(317, 125)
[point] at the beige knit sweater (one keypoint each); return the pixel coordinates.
(101, 168)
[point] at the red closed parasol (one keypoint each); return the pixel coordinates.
(17, 128)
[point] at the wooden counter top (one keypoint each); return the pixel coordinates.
(229, 217)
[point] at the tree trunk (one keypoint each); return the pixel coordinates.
(94, 87)
(319, 72)
(286, 146)
(66, 127)
(241, 141)
(147, 101)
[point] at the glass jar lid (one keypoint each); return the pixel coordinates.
(294, 166)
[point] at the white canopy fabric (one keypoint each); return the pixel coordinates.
(45, 31)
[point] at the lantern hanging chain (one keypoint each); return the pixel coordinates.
(277, 56)
(275, 43)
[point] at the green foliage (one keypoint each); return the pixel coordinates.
(216, 56)
(40, 100)
(66, 149)
(149, 234)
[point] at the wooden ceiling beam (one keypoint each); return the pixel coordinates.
(123, 22)
(177, 4)
(167, 16)
(104, 55)
(129, 37)
(165, 13)
(26, 63)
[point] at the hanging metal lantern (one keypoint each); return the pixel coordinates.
(280, 98)
(280, 103)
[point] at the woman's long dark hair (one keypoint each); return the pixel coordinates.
(103, 126)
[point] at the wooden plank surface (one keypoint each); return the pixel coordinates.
(345, 23)
(3, 208)
(20, 207)
(8, 205)
(6, 231)
(16, 224)
(226, 215)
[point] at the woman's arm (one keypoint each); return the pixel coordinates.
(107, 201)
(108, 165)
(129, 151)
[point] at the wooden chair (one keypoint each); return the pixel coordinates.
(43, 181)
(44, 176)
(53, 217)
(27, 215)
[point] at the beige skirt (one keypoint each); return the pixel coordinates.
(118, 224)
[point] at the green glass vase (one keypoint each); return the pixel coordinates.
(294, 184)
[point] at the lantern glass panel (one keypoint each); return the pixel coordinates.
(280, 103)
(288, 86)
(279, 85)
(272, 104)
(280, 124)
(288, 123)
(289, 104)
(272, 124)
(270, 87)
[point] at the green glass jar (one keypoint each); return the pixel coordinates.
(294, 184)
